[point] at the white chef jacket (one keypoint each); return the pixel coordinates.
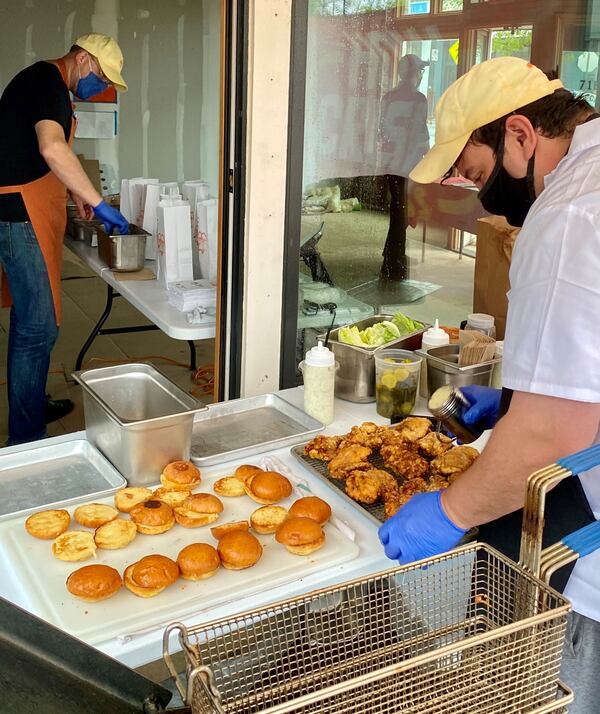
(552, 341)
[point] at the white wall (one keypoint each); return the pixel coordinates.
(169, 118)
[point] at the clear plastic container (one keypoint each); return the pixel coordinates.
(396, 382)
(480, 322)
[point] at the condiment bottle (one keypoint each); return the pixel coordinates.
(433, 337)
(497, 370)
(449, 405)
(480, 322)
(318, 370)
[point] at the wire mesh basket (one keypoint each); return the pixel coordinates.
(465, 632)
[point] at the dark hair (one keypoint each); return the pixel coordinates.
(553, 116)
(76, 48)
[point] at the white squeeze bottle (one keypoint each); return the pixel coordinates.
(318, 370)
(433, 337)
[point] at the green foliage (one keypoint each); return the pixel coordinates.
(511, 43)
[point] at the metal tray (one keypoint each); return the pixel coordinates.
(66, 473)
(246, 427)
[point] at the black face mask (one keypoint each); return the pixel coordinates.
(506, 196)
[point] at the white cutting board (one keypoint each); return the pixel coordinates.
(42, 576)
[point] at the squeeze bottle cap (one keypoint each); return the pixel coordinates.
(319, 356)
(435, 336)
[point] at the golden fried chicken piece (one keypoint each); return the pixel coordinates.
(393, 504)
(455, 461)
(365, 434)
(322, 447)
(434, 444)
(363, 486)
(437, 483)
(413, 428)
(390, 488)
(390, 436)
(404, 461)
(350, 458)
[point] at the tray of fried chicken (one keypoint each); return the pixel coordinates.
(382, 467)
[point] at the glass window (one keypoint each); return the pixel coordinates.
(371, 239)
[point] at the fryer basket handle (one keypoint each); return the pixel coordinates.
(578, 544)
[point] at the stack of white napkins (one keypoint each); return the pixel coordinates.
(188, 295)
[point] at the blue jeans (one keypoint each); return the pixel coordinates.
(33, 331)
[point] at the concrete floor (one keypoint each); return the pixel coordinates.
(83, 300)
(351, 249)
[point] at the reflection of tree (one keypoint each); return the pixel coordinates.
(452, 5)
(510, 43)
(348, 7)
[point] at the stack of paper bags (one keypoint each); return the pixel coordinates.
(195, 191)
(188, 295)
(206, 246)
(152, 194)
(174, 240)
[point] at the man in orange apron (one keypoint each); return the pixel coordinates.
(37, 167)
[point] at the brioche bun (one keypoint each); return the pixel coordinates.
(170, 497)
(198, 509)
(180, 476)
(238, 550)
(93, 515)
(94, 582)
(115, 534)
(73, 546)
(127, 498)
(48, 524)
(245, 471)
(219, 531)
(311, 507)
(150, 575)
(267, 519)
(268, 487)
(301, 536)
(152, 517)
(198, 561)
(229, 486)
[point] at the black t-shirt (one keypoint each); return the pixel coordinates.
(37, 92)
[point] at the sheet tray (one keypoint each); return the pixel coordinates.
(245, 427)
(50, 475)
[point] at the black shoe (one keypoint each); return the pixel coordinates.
(57, 409)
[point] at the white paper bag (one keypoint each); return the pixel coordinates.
(137, 193)
(125, 201)
(194, 191)
(206, 238)
(151, 199)
(173, 237)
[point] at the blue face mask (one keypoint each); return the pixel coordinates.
(90, 86)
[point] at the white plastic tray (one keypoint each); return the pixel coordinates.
(42, 577)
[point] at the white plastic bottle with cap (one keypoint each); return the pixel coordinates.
(480, 322)
(433, 337)
(318, 370)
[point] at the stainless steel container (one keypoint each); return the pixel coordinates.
(137, 418)
(71, 215)
(355, 378)
(442, 368)
(448, 404)
(123, 253)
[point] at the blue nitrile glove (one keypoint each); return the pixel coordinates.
(485, 405)
(111, 218)
(420, 529)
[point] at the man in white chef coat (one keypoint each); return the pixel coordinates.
(533, 150)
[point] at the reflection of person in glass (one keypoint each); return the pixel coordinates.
(403, 141)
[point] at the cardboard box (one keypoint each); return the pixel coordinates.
(495, 242)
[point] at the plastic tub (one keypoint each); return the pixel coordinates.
(396, 382)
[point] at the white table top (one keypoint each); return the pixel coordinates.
(137, 648)
(148, 296)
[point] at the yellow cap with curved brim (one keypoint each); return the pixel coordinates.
(488, 91)
(109, 55)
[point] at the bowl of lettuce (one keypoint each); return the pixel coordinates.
(379, 333)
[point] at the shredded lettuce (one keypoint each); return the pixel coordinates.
(380, 333)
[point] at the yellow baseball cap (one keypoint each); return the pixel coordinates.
(109, 55)
(488, 91)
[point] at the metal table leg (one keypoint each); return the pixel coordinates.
(99, 330)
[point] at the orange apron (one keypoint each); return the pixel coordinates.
(45, 200)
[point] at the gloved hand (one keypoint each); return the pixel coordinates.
(111, 218)
(485, 405)
(419, 530)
